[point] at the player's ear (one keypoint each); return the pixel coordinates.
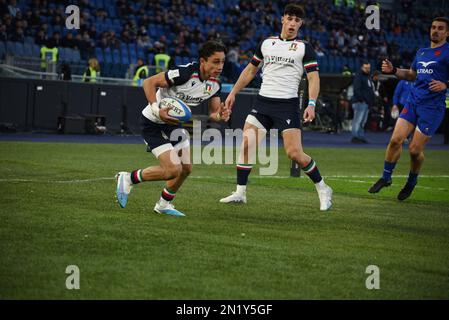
(202, 60)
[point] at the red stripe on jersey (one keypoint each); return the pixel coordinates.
(312, 65)
(194, 76)
(213, 80)
(256, 58)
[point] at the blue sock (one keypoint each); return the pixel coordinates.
(388, 170)
(412, 178)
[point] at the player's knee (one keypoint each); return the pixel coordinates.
(396, 141)
(294, 154)
(415, 151)
(186, 169)
(172, 172)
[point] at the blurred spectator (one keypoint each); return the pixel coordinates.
(49, 53)
(362, 99)
(41, 38)
(68, 41)
(92, 71)
(346, 70)
(162, 60)
(57, 39)
(13, 9)
(65, 72)
(141, 72)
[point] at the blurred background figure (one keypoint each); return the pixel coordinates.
(141, 72)
(92, 71)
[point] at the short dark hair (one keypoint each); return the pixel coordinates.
(293, 9)
(210, 47)
(365, 62)
(442, 19)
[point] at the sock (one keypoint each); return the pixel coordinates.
(312, 171)
(388, 170)
(412, 178)
(136, 176)
(241, 189)
(320, 184)
(166, 196)
(243, 171)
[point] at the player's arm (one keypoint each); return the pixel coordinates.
(401, 74)
(244, 79)
(314, 90)
(151, 84)
(217, 110)
(150, 87)
(246, 76)
(311, 67)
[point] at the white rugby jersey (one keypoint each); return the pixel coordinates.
(185, 84)
(284, 62)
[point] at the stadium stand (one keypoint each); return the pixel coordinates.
(118, 32)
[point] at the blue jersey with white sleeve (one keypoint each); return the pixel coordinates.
(430, 64)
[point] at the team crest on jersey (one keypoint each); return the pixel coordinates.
(437, 53)
(293, 46)
(208, 88)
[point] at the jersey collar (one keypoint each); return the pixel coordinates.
(293, 39)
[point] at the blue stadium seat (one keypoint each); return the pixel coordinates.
(69, 54)
(107, 55)
(19, 48)
(150, 58)
(193, 49)
(140, 52)
(99, 54)
(178, 60)
(36, 50)
(106, 69)
(185, 60)
(62, 54)
(125, 58)
(29, 40)
(76, 55)
(116, 56)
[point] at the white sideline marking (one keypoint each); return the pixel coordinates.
(333, 177)
(57, 181)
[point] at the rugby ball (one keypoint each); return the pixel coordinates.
(179, 109)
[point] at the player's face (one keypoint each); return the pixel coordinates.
(438, 32)
(290, 25)
(213, 66)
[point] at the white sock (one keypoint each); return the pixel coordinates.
(128, 178)
(163, 202)
(241, 189)
(321, 184)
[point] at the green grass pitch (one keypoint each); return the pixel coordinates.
(58, 209)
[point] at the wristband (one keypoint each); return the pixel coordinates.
(394, 70)
(312, 102)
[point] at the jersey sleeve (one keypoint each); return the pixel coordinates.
(178, 75)
(309, 61)
(258, 56)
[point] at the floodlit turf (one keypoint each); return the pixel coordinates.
(58, 209)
